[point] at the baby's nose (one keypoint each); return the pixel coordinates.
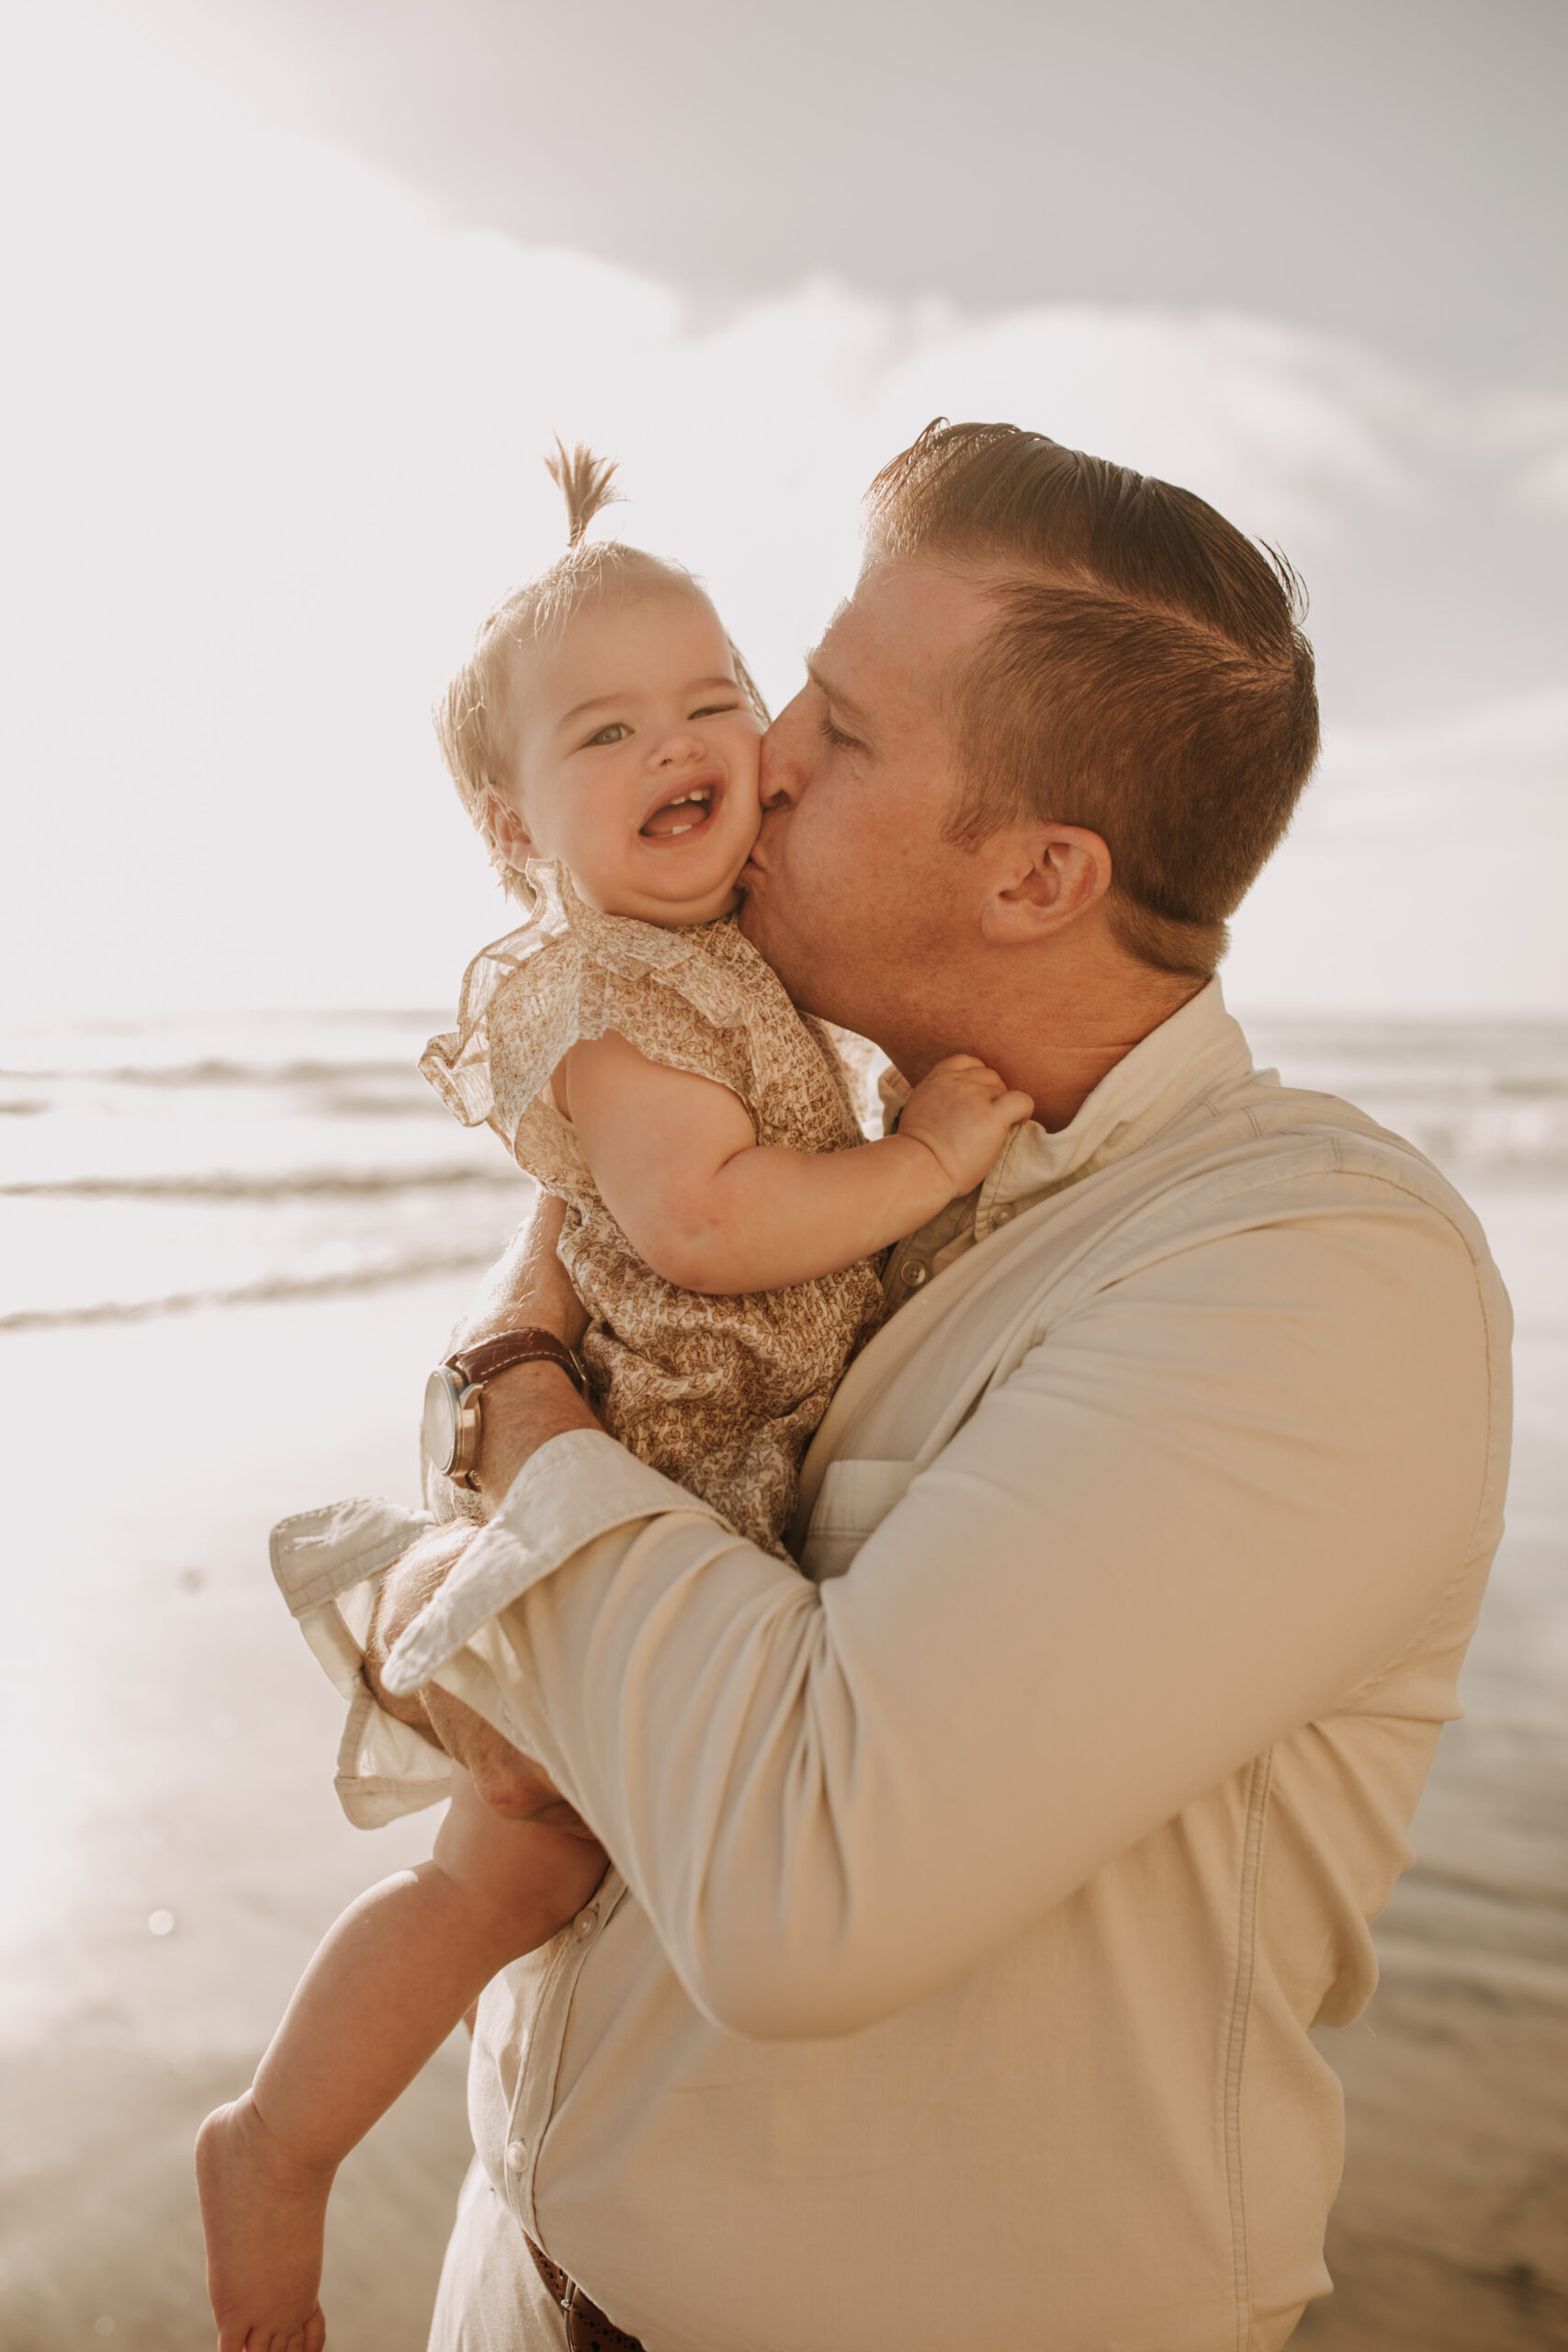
(680, 744)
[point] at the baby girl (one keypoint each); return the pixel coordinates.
(723, 1216)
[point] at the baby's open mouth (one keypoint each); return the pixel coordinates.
(683, 814)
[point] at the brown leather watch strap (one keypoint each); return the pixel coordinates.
(527, 1345)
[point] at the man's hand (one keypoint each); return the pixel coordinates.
(503, 1776)
(508, 1781)
(406, 1588)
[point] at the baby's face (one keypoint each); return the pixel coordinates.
(638, 761)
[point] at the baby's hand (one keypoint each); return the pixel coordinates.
(961, 1110)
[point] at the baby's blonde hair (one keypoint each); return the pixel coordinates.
(476, 719)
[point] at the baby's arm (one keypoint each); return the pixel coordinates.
(392, 1978)
(682, 1173)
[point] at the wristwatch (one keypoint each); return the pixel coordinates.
(453, 1392)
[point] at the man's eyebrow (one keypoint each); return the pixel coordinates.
(836, 695)
(628, 694)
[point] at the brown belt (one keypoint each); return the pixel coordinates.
(587, 2329)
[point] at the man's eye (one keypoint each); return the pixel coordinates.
(611, 734)
(836, 736)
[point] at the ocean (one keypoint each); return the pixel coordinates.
(151, 1167)
(161, 1166)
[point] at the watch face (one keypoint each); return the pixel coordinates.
(443, 1422)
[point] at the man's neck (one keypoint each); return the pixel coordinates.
(1053, 1031)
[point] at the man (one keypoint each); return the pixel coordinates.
(973, 1893)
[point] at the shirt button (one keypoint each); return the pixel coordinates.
(915, 1275)
(583, 1927)
(1001, 1214)
(516, 2155)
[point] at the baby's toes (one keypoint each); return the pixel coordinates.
(309, 2338)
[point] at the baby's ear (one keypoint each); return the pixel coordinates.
(505, 831)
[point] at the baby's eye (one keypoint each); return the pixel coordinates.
(611, 734)
(714, 709)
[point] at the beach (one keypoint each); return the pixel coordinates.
(231, 1260)
(179, 1745)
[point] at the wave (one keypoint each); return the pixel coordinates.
(273, 1290)
(308, 1184)
(215, 1073)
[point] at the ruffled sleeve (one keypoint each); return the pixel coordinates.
(515, 1016)
(697, 999)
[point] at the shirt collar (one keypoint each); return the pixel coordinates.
(1175, 1066)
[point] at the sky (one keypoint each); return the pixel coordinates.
(1386, 169)
(301, 292)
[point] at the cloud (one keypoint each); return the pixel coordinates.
(1423, 872)
(277, 448)
(1529, 431)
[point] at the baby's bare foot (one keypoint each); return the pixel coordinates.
(263, 2213)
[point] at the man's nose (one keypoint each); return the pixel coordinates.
(780, 778)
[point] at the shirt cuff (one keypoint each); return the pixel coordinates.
(577, 1488)
(329, 1564)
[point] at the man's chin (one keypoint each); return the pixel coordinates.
(771, 939)
(800, 964)
(750, 916)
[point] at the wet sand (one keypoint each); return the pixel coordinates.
(171, 1755)
(178, 1747)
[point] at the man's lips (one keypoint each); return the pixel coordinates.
(756, 863)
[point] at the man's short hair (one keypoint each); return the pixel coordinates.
(1146, 677)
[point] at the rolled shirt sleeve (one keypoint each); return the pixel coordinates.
(1209, 1504)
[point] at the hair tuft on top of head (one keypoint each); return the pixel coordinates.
(584, 481)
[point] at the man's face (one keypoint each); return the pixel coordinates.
(853, 895)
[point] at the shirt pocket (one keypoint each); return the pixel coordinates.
(855, 1498)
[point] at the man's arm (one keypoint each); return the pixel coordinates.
(523, 1409)
(528, 1285)
(1202, 1511)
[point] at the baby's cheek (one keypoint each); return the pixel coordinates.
(746, 783)
(597, 842)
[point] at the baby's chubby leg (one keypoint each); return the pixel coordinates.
(388, 1984)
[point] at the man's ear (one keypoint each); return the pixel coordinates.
(1048, 875)
(502, 825)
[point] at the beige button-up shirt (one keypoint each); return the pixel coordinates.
(976, 1890)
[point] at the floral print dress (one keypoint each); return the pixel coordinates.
(720, 1392)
